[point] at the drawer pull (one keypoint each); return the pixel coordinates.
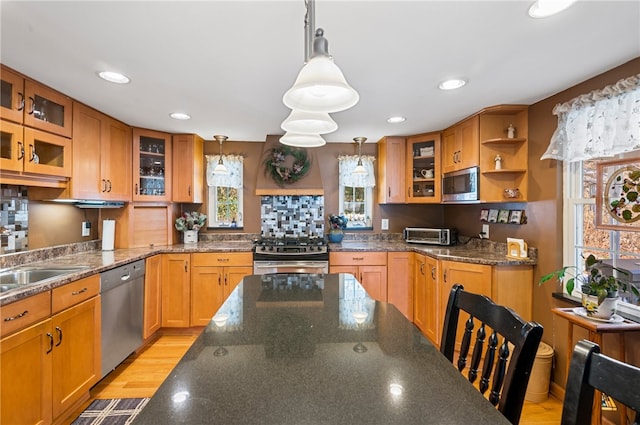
(223, 260)
(79, 292)
(24, 313)
(358, 258)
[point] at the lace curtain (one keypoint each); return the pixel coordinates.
(346, 165)
(599, 124)
(233, 164)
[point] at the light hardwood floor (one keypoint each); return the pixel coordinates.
(142, 373)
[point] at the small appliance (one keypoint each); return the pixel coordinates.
(461, 186)
(431, 236)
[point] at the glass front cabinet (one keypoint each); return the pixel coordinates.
(151, 165)
(423, 169)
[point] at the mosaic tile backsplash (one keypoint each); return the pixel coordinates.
(14, 219)
(300, 216)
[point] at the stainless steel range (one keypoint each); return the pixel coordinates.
(290, 255)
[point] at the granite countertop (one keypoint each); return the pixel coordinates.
(285, 353)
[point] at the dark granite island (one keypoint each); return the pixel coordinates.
(313, 349)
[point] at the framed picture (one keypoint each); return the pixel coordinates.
(617, 200)
(503, 216)
(493, 216)
(484, 215)
(515, 216)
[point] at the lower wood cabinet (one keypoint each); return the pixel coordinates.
(152, 320)
(400, 281)
(176, 288)
(426, 314)
(47, 369)
(213, 277)
(370, 268)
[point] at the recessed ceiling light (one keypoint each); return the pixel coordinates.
(179, 116)
(114, 77)
(454, 83)
(544, 8)
(396, 120)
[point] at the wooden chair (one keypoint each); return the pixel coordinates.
(589, 371)
(511, 369)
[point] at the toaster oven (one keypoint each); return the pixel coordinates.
(432, 236)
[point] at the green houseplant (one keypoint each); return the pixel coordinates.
(189, 224)
(600, 291)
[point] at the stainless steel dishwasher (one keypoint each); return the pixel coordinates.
(122, 293)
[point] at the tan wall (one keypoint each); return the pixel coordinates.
(544, 227)
(58, 224)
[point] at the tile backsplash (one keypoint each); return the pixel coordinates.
(292, 216)
(14, 219)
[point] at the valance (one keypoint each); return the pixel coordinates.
(346, 165)
(234, 166)
(599, 124)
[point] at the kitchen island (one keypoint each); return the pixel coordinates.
(313, 349)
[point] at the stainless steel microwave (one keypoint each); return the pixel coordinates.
(461, 186)
(432, 236)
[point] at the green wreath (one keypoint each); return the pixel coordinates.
(274, 165)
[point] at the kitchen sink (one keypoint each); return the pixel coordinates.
(16, 278)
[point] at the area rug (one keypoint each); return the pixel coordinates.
(113, 411)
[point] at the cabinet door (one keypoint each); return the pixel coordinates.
(374, 280)
(12, 148)
(47, 109)
(400, 282)
(420, 301)
(26, 373)
(116, 163)
(207, 293)
(151, 165)
(152, 296)
(467, 134)
(475, 278)
(449, 150)
(88, 132)
(76, 353)
(233, 276)
(391, 170)
(423, 168)
(47, 153)
(12, 96)
(176, 282)
(433, 316)
(188, 157)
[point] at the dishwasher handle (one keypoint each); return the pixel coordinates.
(125, 277)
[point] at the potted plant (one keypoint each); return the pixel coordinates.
(189, 223)
(600, 291)
(337, 223)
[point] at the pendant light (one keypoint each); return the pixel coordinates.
(360, 170)
(302, 140)
(220, 168)
(301, 122)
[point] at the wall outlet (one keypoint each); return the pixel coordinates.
(384, 225)
(86, 228)
(485, 231)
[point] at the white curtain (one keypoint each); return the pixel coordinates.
(599, 124)
(234, 166)
(346, 165)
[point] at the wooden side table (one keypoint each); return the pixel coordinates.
(596, 329)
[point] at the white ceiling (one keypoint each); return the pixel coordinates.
(228, 63)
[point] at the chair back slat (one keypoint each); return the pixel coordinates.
(589, 371)
(477, 353)
(508, 375)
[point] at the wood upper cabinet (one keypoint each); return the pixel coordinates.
(400, 282)
(176, 289)
(513, 172)
(152, 165)
(423, 173)
(102, 156)
(370, 268)
(27, 102)
(152, 296)
(460, 145)
(188, 160)
(213, 277)
(427, 315)
(391, 170)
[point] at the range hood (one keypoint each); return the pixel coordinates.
(87, 203)
(310, 184)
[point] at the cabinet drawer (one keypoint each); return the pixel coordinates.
(358, 258)
(20, 314)
(75, 292)
(222, 259)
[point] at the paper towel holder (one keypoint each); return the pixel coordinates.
(108, 234)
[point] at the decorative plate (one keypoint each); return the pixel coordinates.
(621, 194)
(580, 311)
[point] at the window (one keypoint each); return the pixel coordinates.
(581, 237)
(225, 192)
(356, 191)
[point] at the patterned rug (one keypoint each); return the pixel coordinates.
(114, 411)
